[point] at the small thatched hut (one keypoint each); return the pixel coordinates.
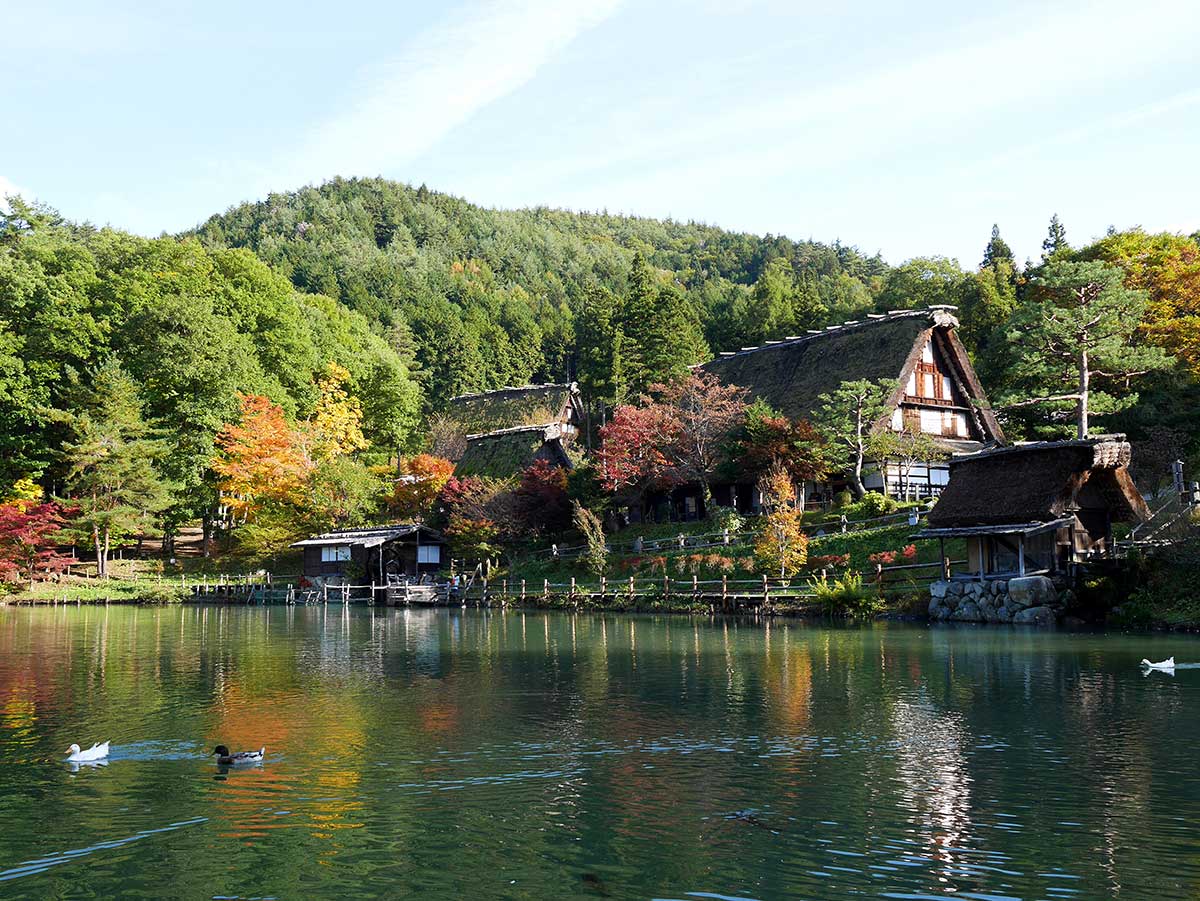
(1037, 509)
(506, 453)
(936, 390)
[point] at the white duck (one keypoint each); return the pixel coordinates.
(1167, 665)
(95, 752)
(237, 758)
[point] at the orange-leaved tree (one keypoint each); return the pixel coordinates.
(422, 478)
(261, 459)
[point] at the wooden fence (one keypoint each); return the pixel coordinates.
(726, 538)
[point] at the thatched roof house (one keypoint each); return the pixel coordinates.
(936, 392)
(528, 405)
(1037, 507)
(506, 453)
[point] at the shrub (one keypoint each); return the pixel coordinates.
(829, 560)
(846, 596)
(588, 523)
(872, 505)
(727, 518)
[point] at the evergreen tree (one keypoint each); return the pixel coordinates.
(1056, 239)
(112, 477)
(1077, 331)
(997, 249)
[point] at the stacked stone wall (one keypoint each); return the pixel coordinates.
(1034, 600)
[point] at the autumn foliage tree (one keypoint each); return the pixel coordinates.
(27, 547)
(679, 434)
(261, 459)
(542, 505)
(335, 427)
(422, 478)
(782, 545)
(766, 439)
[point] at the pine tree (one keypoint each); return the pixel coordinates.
(1056, 239)
(997, 249)
(112, 477)
(1080, 330)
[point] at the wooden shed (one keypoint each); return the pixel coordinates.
(375, 554)
(1037, 509)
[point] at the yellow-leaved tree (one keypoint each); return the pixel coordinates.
(782, 545)
(335, 427)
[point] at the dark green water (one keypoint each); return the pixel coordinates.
(485, 755)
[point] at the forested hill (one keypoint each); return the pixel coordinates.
(485, 298)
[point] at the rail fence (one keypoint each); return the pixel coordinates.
(725, 538)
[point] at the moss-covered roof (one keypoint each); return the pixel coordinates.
(790, 375)
(506, 453)
(1038, 483)
(508, 408)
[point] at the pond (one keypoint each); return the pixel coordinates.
(475, 754)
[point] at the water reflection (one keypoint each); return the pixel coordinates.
(522, 754)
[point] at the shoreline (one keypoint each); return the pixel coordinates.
(1066, 624)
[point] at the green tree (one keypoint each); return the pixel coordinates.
(847, 418)
(1056, 239)
(112, 478)
(1078, 331)
(997, 250)
(922, 282)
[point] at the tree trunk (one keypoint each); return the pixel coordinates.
(706, 497)
(856, 483)
(1084, 380)
(107, 536)
(206, 530)
(99, 550)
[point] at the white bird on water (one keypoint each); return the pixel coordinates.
(1167, 665)
(95, 752)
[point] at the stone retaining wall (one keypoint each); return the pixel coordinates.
(1032, 600)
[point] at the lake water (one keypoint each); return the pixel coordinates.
(448, 754)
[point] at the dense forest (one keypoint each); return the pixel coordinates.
(321, 328)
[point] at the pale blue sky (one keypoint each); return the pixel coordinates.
(903, 128)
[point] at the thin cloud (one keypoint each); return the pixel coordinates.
(445, 75)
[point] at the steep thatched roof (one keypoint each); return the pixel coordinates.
(508, 408)
(506, 453)
(1039, 482)
(791, 374)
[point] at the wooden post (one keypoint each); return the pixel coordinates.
(324, 592)
(631, 589)
(766, 592)
(572, 591)
(602, 585)
(695, 587)
(879, 575)
(504, 589)
(483, 598)
(522, 591)
(945, 560)
(724, 592)
(666, 588)
(1020, 554)
(545, 590)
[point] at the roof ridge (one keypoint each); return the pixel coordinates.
(571, 386)
(544, 427)
(935, 313)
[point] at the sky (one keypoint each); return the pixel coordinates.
(904, 129)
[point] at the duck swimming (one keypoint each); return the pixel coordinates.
(95, 752)
(225, 758)
(1166, 665)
